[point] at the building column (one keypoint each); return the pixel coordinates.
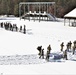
(20, 11)
(24, 8)
(47, 11)
(24, 11)
(69, 22)
(28, 13)
(39, 12)
(34, 12)
(54, 10)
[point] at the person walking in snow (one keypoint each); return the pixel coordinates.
(48, 52)
(74, 43)
(65, 54)
(16, 28)
(47, 56)
(42, 54)
(70, 45)
(49, 49)
(73, 50)
(39, 49)
(62, 45)
(10, 27)
(24, 30)
(74, 47)
(1, 24)
(67, 46)
(20, 28)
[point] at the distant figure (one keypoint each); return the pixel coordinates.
(49, 49)
(48, 52)
(39, 49)
(74, 47)
(10, 27)
(73, 50)
(1, 24)
(42, 54)
(62, 45)
(70, 44)
(16, 28)
(47, 56)
(74, 43)
(20, 28)
(65, 54)
(24, 30)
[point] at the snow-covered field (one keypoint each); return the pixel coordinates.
(18, 53)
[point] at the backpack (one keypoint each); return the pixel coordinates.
(39, 48)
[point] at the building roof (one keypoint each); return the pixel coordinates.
(37, 3)
(71, 15)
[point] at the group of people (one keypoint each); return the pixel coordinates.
(12, 27)
(41, 52)
(69, 47)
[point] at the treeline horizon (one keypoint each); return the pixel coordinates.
(11, 7)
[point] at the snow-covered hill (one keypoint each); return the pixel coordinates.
(16, 48)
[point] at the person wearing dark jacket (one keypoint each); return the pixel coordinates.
(42, 54)
(24, 30)
(39, 49)
(62, 45)
(49, 49)
(70, 44)
(47, 56)
(65, 54)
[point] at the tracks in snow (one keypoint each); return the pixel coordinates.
(21, 60)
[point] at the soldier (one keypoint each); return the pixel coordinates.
(11, 27)
(1, 24)
(73, 50)
(74, 47)
(67, 46)
(65, 54)
(6, 26)
(20, 28)
(62, 45)
(16, 28)
(74, 44)
(42, 54)
(39, 49)
(24, 29)
(49, 49)
(47, 55)
(70, 44)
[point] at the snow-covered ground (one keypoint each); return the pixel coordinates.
(18, 53)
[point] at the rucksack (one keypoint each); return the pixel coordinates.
(39, 48)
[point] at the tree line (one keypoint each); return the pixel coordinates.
(11, 7)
